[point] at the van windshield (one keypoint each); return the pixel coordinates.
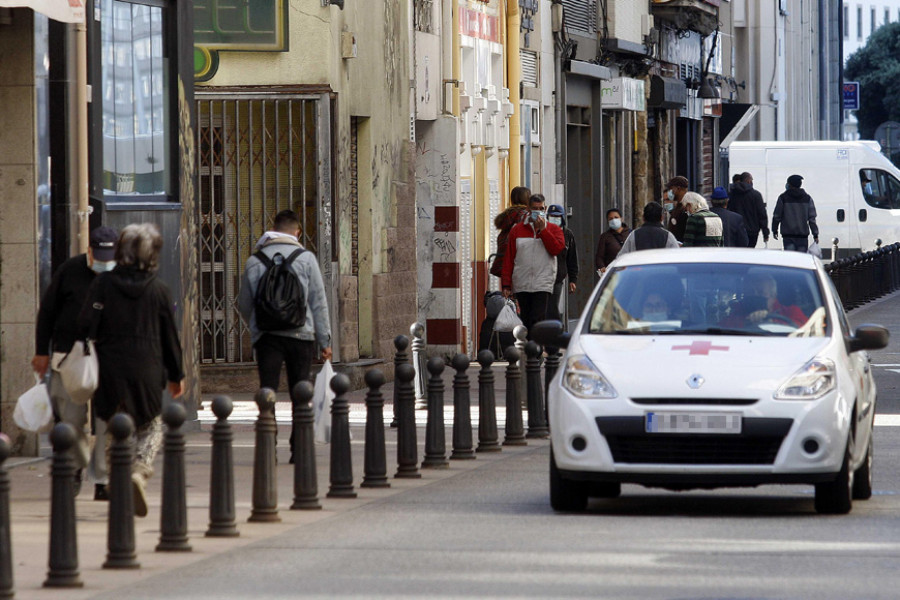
(880, 188)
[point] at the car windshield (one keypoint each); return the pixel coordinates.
(709, 298)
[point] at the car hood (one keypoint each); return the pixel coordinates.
(660, 366)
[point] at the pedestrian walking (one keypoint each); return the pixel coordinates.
(734, 232)
(137, 345)
(566, 261)
(651, 234)
(611, 240)
(746, 201)
(795, 216)
(672, 202)
(704, 227)
(283, 300)
(529, 268)
(505, 221)
(56, 332)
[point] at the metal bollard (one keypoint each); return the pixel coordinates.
(487, 405)
(462, 410)
(514, 431)
(375, 463)
(341, 460)
(265, 475)
(537, 423)
(401, 343)
(407, 447)
(173, 514)
(521, 335)
(435, 442)
(551, 366)
(63, 563)
(417, 332)
(306, 487)
(120, 530)
(221, 473)
(834, 249)
(6, 571)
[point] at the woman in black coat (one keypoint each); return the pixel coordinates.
(137, 345)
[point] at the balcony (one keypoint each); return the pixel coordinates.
(697, 15)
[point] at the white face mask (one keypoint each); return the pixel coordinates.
(615, 223)
(99, 266)
(669, 207)
(655, 316)
(555, 220)
(670, 195)
(868, 187)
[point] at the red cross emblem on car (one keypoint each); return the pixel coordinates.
(702, 348)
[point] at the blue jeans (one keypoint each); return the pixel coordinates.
(798, 244)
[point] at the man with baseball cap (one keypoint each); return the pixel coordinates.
(795, 214)
(56, 334)
(677, 216)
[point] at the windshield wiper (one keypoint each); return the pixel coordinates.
(715, 331)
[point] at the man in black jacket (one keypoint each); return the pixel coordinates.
(651, 234)
(56, 332)
(748, 202)
(795, 214)
(566, 261)
(734, 232)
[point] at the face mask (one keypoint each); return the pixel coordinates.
(537, 214)
(869, 188)
(103, 266)
(669, 207)
(655, 316)
(615, 223)
(555, 220)
(670, 195)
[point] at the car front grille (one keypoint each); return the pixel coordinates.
(697, 401)
(757, 444)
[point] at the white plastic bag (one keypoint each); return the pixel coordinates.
(33, 411)
(815, 250)
(322, 397)
(80, 371)
(507, 320)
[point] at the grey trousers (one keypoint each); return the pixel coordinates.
(76, 415)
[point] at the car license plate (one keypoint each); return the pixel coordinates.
(675, 422)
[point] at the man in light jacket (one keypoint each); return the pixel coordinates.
(529, 267)
(292, 347)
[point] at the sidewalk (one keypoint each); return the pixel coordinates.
(30, 494)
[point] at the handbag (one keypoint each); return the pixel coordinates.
(79, 370)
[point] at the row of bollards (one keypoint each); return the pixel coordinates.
(63, 560)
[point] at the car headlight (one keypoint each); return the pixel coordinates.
(585, 380)
(814, 380)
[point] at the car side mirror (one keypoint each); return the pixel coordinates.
(550, 333)
(868, 337)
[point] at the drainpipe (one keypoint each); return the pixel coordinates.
(455, 60)
(81, 138)
(514, 70)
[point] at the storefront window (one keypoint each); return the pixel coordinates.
(135, 94)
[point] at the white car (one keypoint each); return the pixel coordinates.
(704, 368)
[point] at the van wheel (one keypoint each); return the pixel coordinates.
(836, 497)
(566, 495)
(862, 478)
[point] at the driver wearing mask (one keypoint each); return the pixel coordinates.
(760, 305)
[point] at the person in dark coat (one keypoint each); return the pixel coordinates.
(506, 220)
(137, 345)
(748, 202)
(795, 215)
(651, 235)
(734, 233)
(611, 240)
(672, 202)
(566, 261)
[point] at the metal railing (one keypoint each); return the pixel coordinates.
(866, 276)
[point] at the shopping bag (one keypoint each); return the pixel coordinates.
(80, 371)
(322, 397)
(507, 320)
(33, 411)
(815, 250)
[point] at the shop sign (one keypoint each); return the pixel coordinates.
(476, 23)
(65, 11)
(623, 93)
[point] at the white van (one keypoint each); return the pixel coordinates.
(833, 175)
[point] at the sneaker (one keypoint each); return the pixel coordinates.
(100, 492)
(140, 496)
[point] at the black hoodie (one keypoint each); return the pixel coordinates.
(795, 213)
(748, 202)
(137, 342)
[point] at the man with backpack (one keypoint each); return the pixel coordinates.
(282, 298)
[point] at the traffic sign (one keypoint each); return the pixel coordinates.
(851, 95)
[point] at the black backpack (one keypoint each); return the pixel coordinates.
(280, 299)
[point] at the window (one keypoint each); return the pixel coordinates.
(136, 155)
(880, 189)
(887, 16)
(872, 17)
(859, 23)
(846, 22)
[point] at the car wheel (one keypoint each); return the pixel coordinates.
(862, 478)
(605, 489)
(836, 497)
(566, 495)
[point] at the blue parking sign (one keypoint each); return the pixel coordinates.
(851, 95)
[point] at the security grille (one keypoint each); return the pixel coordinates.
(529, 68)
(256, 156)
(424, 16)
(581, 15)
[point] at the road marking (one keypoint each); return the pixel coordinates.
(886, 365)
(887, 420)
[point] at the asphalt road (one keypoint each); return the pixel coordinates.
(489, 532)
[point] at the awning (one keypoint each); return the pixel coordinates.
(67, 11)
